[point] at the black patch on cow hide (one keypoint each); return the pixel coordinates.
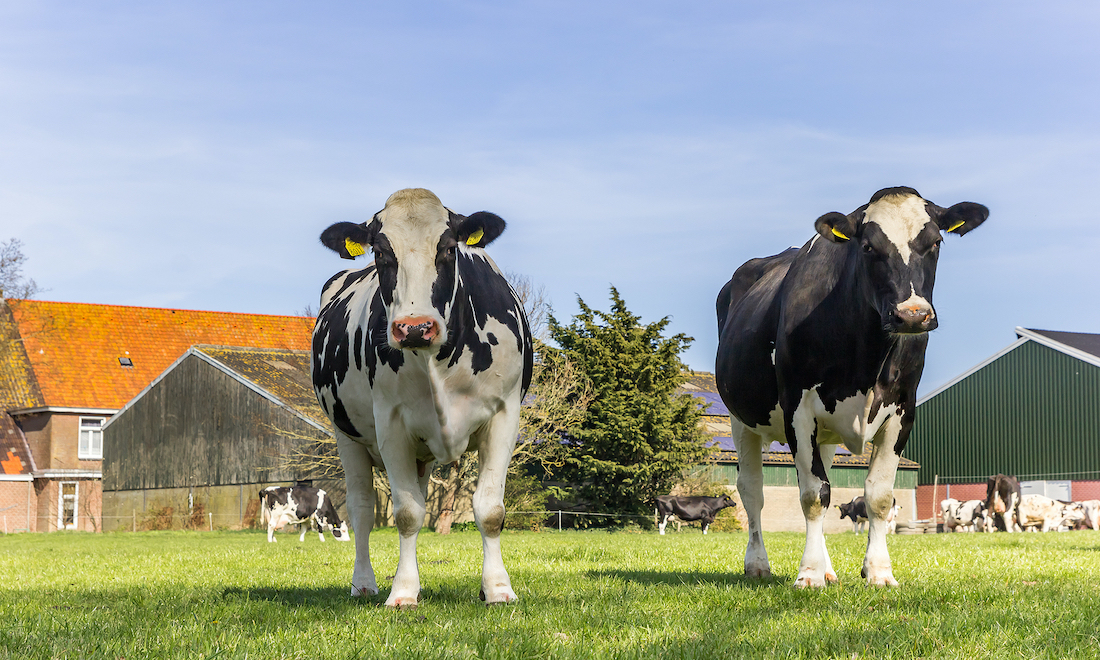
(331, 345)
(482, 293)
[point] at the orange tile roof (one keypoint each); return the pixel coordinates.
(74, 348)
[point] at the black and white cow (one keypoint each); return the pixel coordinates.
(856, 510)
(690, 507)
(1041, 513)
(419, 357)
(962, 516)
(1002, 503)
(824, 345)
(304, 506)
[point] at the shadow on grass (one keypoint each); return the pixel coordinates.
(650, 578)
(340, 596)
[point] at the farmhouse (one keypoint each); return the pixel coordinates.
(66, 368)
(782, 511)
(1031, 411)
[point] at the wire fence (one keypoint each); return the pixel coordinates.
(155, 520)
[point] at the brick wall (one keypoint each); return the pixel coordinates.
(1086, 490)
(15, 498)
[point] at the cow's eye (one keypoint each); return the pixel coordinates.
(867, 249)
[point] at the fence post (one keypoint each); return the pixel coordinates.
(211, 517)
(135, 519)
(559, 520)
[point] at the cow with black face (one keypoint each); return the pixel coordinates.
(824, 345)
(423, 355)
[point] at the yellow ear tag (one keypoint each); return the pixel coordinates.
(354, 249)
(839, 235)
(955, 226)
(475, 237)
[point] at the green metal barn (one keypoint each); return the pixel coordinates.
(1032, 411)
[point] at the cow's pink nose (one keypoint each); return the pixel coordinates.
(414, 331)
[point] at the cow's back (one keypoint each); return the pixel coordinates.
(748, 319)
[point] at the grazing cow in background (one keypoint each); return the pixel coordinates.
(892, 518)
(1002, 503)
(304, 506)
(824, 345)
(948, 508)
(962, 516)
(857, 511)
(690, 507)
(419, 357)
(1092, 513)
(1046, 514)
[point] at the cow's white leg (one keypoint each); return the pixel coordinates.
(303, 528)
(408, 513)
(750, 484)
(271, 533)
(878, 491)
(814, 492)
(495, 449)
(664, 523)
(359, 479)
(706, 526)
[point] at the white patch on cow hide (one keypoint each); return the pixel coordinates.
(850, 422)
(901, 218)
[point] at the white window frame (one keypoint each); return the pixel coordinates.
(61, 504)
(90, 453)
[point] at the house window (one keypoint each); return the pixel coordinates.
(66, 510)
(91, 438)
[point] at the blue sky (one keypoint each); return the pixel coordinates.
(189, 154)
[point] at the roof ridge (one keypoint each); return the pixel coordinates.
(167, 309)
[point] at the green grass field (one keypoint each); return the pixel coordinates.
(583, 594)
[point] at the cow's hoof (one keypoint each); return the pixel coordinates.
(402, 602)
(831, 578)
(882, 581)
(499, 597)
(758, 572)
(808, 581)
(364, 592)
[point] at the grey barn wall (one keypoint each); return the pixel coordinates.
(197, 427)
(1033, 412)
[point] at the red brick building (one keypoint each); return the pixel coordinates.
(66, 368)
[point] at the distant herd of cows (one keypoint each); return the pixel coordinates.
(1005, 509)
(425, 353)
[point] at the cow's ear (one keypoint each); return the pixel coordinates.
(835, 227)
(962, 217)
(350, 240)
(479, 229)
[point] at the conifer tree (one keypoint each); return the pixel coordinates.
(638, 435)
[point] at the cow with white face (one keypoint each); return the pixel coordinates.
(419, 357)
(824, 345)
